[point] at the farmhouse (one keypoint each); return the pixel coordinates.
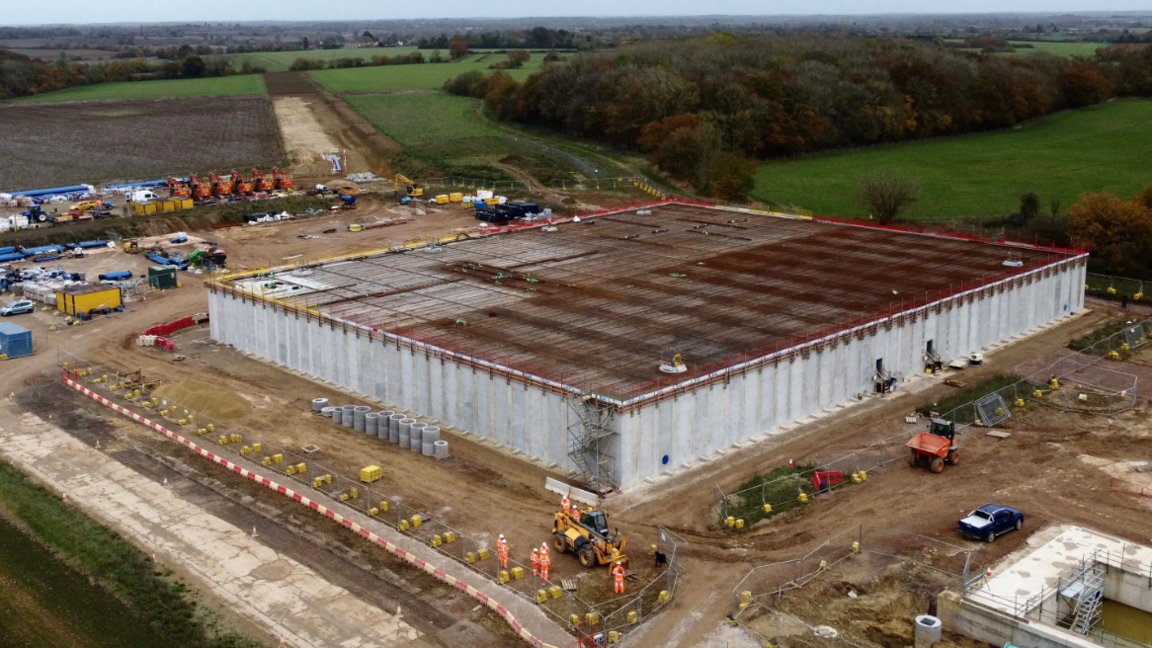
(630, 344)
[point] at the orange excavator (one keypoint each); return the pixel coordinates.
(200, 190)
(282, 181)
(239, 184)
(220, 186)
(262, 182)
(177, 188)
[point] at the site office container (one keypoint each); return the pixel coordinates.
(81, 300)
(15, 341)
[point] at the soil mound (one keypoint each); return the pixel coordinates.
(205, 399)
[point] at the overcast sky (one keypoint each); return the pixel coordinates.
(26, 12)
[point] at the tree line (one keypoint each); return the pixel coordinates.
(702, 109)
(21, 75)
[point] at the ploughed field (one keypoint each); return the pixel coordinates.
(43, 145)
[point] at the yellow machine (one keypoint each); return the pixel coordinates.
(132, 246)
(409, 187)
(589, 538)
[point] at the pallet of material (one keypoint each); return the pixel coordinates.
(384, 224)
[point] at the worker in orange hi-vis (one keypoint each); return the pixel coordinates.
(575, 511)
(545, 561)
(535, 562)
(618, 572)
(502, 551)
(565, 504)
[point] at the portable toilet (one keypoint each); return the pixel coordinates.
(162, 277)
(15, 341)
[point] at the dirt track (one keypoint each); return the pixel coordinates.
(485, 491)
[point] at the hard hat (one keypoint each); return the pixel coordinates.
(501, 536)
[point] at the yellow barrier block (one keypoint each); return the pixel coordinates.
(373, 511)
(417, 520)
(291, 470)
(663, 597)
(767, 508)
(592, 618)
(541, 596)
(211, 427)
(483, 554)
(855, 478)
(343, 497)
(729, 521)
(503, 577)
(136, 394)
(469, 557)
(437, 540)
(1037, 394)
(163, 412)
(863, 475)
(1019, 402)
(384, 507)
(223, 440)
(449, 537)
(574, 620)
(369, 474)
(517, 573)
(201, 432)
(556, 592)
(651, 550)
(236, 438)
(317, 481)
(267, 461)
(245, 450)
(403, 525)
(855, 547)
(278, 458)
(740, 523)
(301, 468)
(613, 636)
(191, 417)
(802, 498)
(353, 493)
(256, 447)
(633, 617)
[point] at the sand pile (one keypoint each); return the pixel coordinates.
(205, 399)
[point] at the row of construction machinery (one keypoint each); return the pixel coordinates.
(233, 185)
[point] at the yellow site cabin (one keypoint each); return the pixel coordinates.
(81, 299)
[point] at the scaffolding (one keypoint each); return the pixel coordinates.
(589, 442)
(1084, 595)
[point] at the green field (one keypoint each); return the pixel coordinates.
(443, 134)
(1104, 148)
(215, 86)
(1059, 48)
(427, 76)
(279, 61)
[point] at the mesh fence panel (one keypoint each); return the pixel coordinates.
(992, 409)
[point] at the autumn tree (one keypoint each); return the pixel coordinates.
(1118, 233)
(887, 194)
(727, 176)
(457, 47)
(517, 58)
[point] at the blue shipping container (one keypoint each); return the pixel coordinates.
(15, 341)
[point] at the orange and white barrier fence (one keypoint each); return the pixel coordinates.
(319, 508)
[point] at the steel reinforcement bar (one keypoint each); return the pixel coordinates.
(411, 559)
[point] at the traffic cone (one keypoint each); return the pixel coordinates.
(790, 464)
(988, 572)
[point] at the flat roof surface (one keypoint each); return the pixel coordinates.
(86, 290)
(601, 303)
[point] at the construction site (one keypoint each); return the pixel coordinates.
(631, 344)
(599, 417)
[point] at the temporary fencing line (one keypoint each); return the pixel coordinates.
(513, 585)
(422, 565)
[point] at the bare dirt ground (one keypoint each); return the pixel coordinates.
(125, 140)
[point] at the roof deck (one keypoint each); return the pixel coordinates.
(601, 303)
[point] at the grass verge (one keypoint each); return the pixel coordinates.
(780, 489)
(969, 394)
(1103, 148)
(164, 602)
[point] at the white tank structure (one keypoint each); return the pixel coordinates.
(551, 343)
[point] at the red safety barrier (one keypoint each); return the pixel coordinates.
(161, 331)
(412, 560)
(826, 479)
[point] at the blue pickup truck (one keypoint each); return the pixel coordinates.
(991, 520)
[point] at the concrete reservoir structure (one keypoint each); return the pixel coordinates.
(632, 343)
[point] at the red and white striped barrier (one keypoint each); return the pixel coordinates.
(322, 510)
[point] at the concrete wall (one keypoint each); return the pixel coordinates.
(672, 434)
(682, 429)
(1131, 589)
(996, 628)
(502, 410)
